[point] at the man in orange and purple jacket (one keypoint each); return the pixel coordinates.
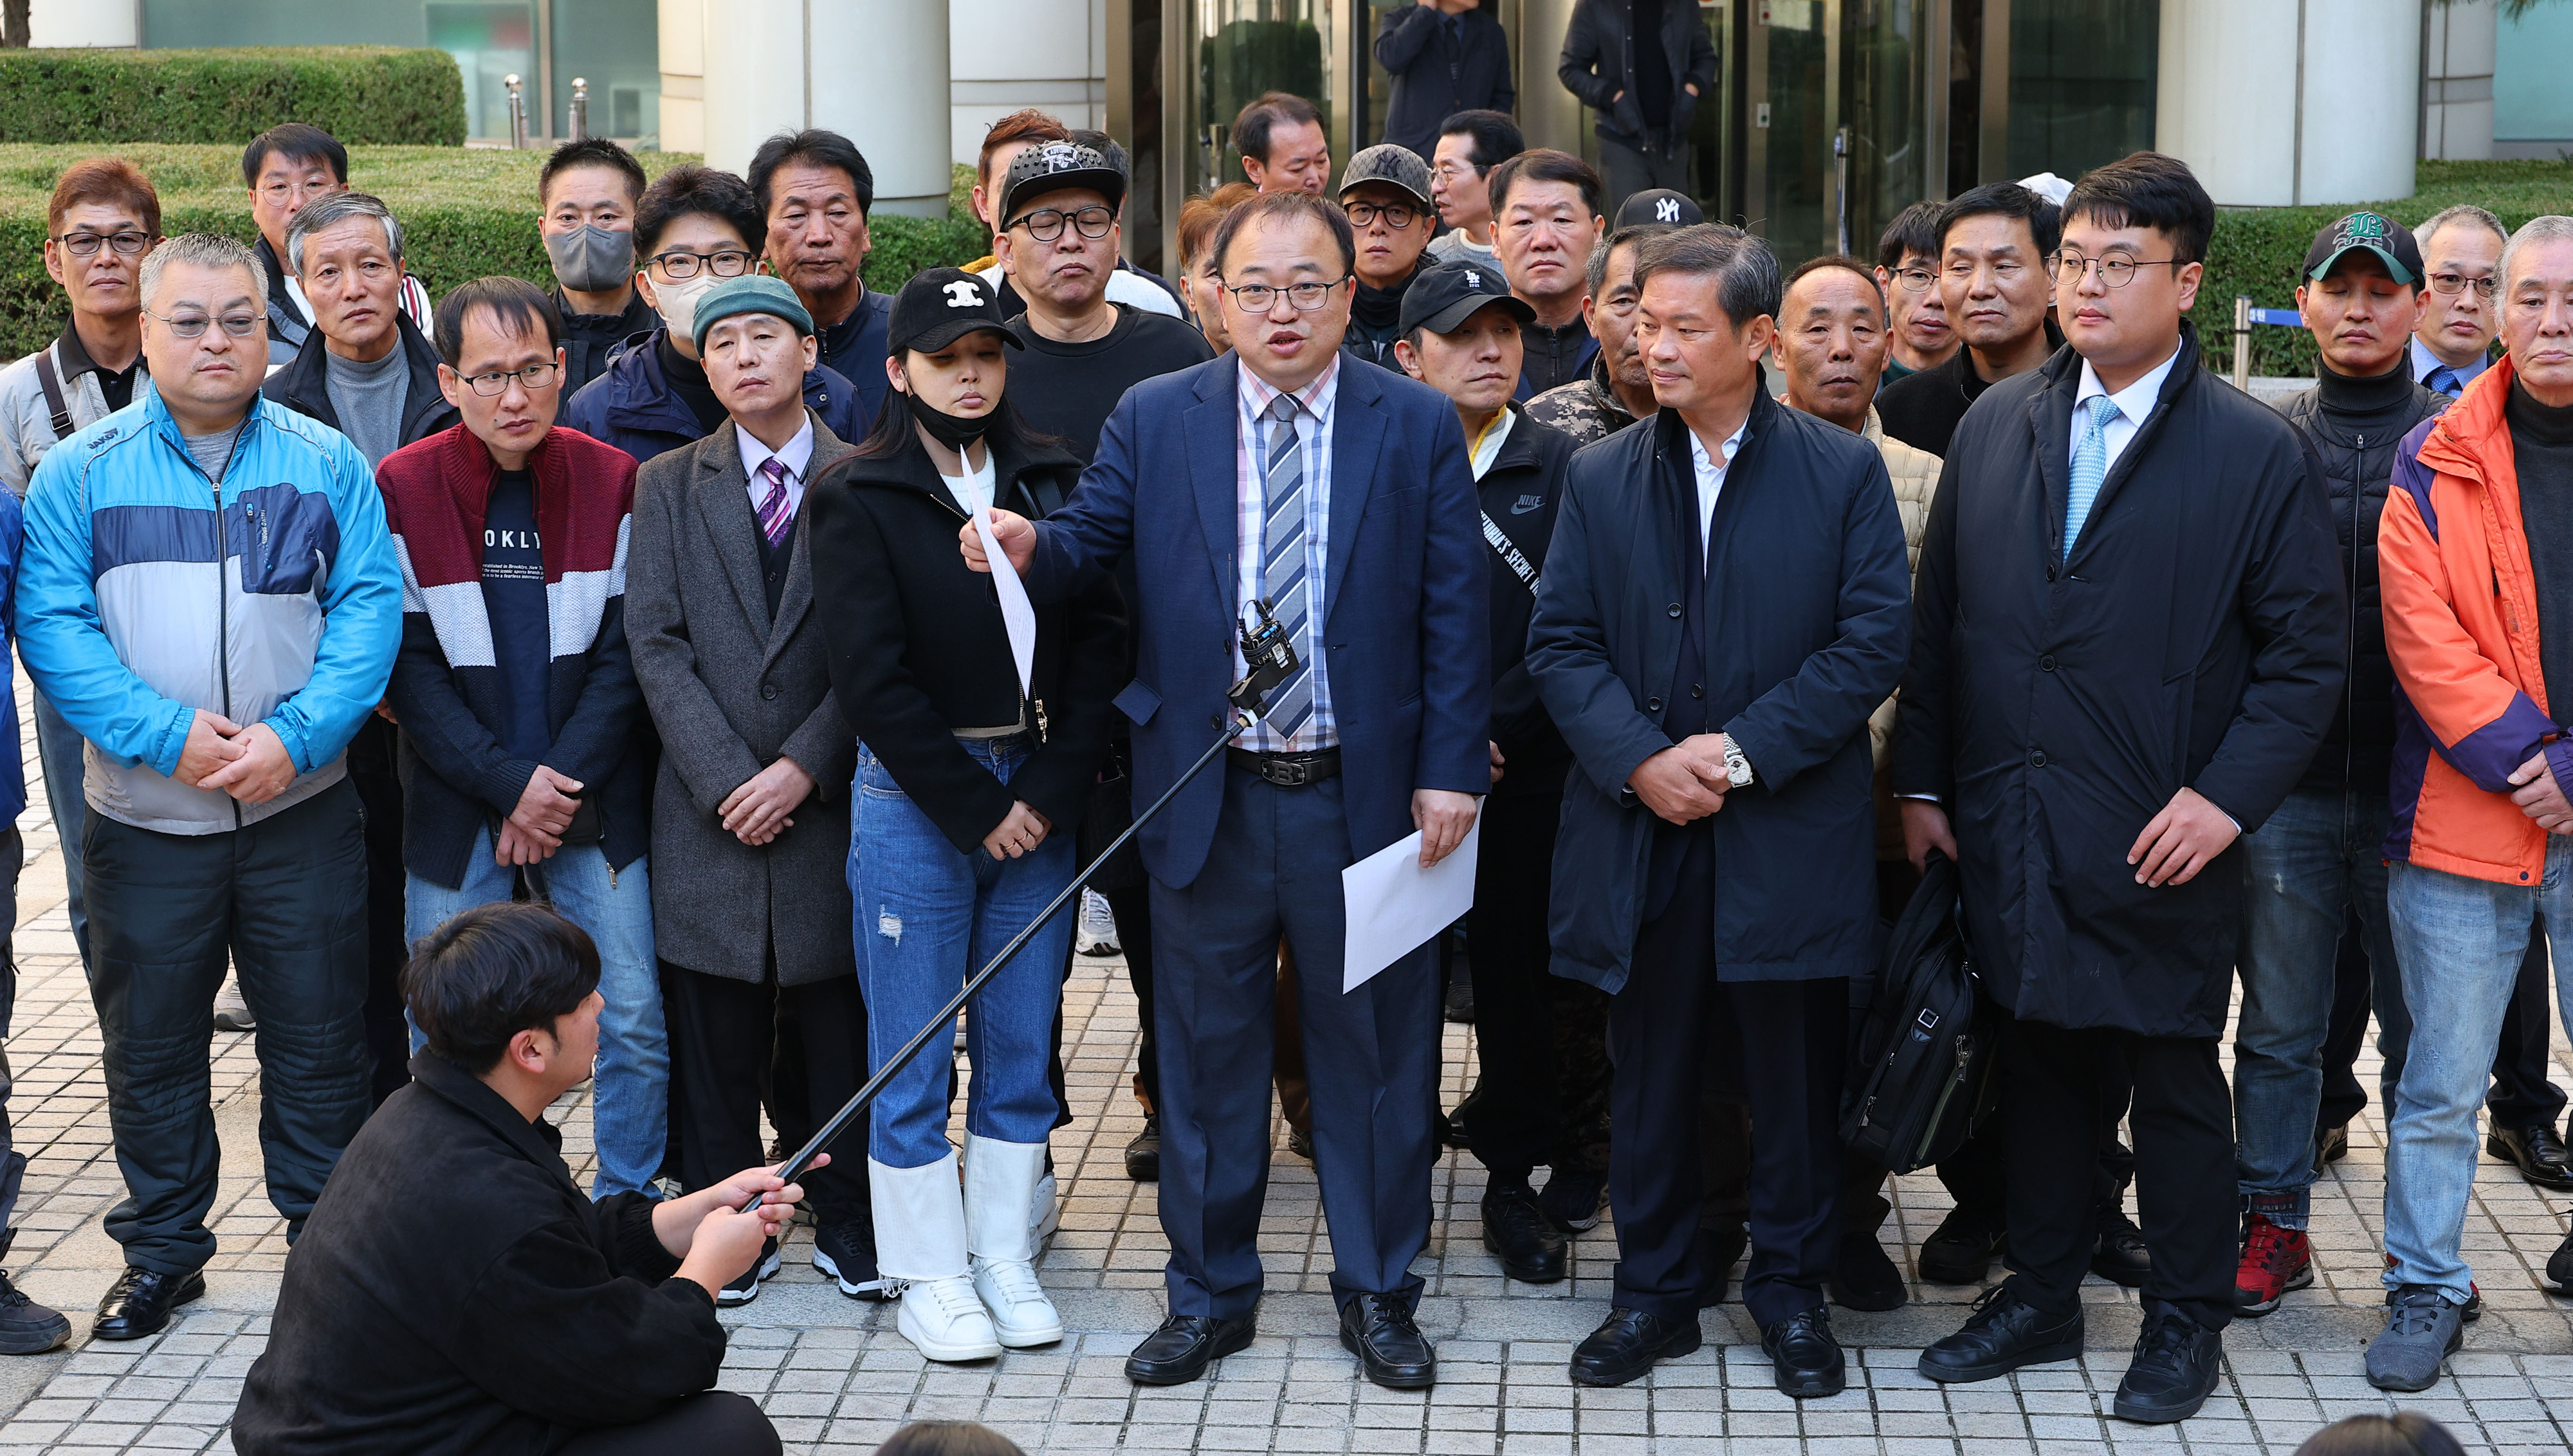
(2477, 559)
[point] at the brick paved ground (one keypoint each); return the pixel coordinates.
(838, 1379)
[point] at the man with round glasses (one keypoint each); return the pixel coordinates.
(522, 741)
(1385, 192)
(693, 228)
(2462, 260)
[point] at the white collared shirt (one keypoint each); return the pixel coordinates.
(2134, 403)
(1250, 515)
(1710, 480)
(797, 455)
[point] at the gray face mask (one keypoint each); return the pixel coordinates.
(590, 259)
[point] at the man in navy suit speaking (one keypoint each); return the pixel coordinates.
(1342, 498)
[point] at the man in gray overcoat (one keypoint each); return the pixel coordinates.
(752, 797)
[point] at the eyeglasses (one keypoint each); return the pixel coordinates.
(86, 245)
(280, 193)
(1260, 297)
(2116, 272)
(2458, 283)
(193, 325)
(725, 263)
(535, 377)
(1397, 216)
(1915, 280)
(1046, 224)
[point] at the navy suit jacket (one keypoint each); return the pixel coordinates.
(1405, 628)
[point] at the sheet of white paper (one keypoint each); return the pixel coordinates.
(1017, 614)
(1394, 905)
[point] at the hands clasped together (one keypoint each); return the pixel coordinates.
(251, 764)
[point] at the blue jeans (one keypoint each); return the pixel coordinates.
(630, 1101)
(926, 919)
(59, 751)
(2319, 855)
(2460, 941)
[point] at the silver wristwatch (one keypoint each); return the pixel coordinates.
(1736, 767)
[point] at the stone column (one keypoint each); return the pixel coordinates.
(874, 71)
(2270, 113)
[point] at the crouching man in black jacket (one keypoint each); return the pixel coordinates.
(455, 1291)
(1723, 606)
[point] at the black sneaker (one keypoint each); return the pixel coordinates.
(2559, 1267)
(846, 1251)
(1143, 1155)
(2002, 1334)
(744, 1286)
(26, 1327)
(1864, 1276)
(1572, 1199)
(2175, 1368)
(1960, 1250)
(1457, 1007)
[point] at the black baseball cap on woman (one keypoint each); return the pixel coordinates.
(940, 306)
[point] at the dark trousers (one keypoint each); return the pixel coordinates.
(2523, 1095)
(166, 910)
(13, 1164)
(372, 773)
(1976, 1174)
(1275, 870)
(709, 1423)
(2058, 1087)
(1132, 907)
(1525, 1105)
(1789, 1039)
(1628, 168)
(723, 1039)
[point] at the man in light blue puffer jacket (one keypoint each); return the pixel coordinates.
(210, 597)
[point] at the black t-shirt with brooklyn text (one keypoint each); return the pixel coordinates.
(1069, 390)
(514, 597)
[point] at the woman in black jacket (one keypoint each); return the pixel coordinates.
(980, 737)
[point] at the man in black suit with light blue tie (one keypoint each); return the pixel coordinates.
(1342, 498)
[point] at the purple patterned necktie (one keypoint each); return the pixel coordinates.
(774, 518)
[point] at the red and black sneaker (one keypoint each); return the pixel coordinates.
(2274, 1260)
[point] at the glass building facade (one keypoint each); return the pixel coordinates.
(1828, 117)
(612, 44)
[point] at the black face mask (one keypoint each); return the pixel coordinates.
(951, 431)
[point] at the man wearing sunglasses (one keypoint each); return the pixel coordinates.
(695, 227)
(521, 720)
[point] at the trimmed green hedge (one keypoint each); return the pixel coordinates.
(382, 95)
(2261, 251)
(466, 212)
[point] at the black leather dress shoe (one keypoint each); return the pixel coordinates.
(1143, 1155)
(2559, 1268)
(1718, 1250)
(2121, 1256)
(1301, 1144)
(1807, 1360)
(2536, 1152)
(1184, 1345)
(2331, 1143)
(1531, 1248)
(2174, 1371)
(1628, 1343)
(140, 1301)
(1864, 1277)
(1377, 1328)
(2002, 1334)
(1960, 1250)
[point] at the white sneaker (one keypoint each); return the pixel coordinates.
(232, 1013)
(1000, 1179)
(945, 1321)
(1045, 1215)
(920, 1240)
(1022, 1315)
(1097, 932)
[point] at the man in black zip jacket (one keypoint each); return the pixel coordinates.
(2320, 857)
(1460, 336)
(369, 372)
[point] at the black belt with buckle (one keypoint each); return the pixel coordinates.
(1288, 770)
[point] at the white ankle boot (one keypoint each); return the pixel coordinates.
(1000, 1179)
(920, 1241)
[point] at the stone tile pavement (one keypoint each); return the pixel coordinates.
(836, 1377)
